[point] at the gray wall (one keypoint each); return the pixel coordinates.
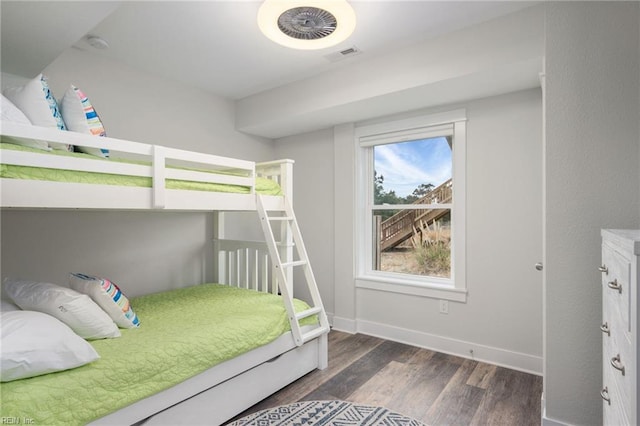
(502, 319)
(313, 201)
(592, 182)
(142, 252)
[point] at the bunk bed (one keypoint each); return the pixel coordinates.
(140, 176)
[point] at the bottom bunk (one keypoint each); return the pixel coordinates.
(202, 354)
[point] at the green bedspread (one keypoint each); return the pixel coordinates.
(262, 185)
(182, 333)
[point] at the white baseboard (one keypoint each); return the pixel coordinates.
(501, 357)
(546, 421)
(550, 422)
(330, 318)
(344, 324)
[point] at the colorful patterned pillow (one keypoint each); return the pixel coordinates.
(80, 116)
(108, 296)
(36, 101)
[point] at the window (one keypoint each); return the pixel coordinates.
(411, 208)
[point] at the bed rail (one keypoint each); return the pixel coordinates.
(244, 264)
(280, 171)
(165, 160)
(158, 163)
(154, 161)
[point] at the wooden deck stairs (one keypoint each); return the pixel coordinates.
(400, 227)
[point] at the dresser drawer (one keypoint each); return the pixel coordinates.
(613, 412)
(616, 291)
(616, 411)
(618, 368)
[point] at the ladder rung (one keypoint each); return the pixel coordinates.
(285, 244)
(308, 312)
(314, 333)
(279, 218)
(296, 263)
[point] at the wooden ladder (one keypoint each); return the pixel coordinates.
(284, 270)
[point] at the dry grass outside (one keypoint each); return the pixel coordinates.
(427, 253)
(400, 260)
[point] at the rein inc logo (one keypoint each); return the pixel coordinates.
(16, 421)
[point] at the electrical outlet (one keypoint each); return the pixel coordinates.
(444, 306)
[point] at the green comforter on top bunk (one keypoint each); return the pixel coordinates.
(183, 332)
(262, 185)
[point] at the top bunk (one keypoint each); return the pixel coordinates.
(134, 175)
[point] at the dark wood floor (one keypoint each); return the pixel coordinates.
(432, 387)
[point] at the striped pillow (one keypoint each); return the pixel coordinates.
(80, 116)
(108, 296)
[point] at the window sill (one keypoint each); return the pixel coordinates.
(422, 289)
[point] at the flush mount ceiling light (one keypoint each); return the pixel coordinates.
(97, 42)
(306, 24)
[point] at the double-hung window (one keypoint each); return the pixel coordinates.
(411, 206)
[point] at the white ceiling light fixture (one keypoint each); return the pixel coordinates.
(97, 42)
(307, 24)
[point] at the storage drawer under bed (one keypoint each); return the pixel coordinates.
(229, 398)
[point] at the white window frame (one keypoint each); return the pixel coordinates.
(452, 123)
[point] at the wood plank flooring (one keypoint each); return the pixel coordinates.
(432, 387)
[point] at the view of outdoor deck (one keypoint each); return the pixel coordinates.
(402, 225)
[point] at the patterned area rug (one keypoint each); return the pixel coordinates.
(318, 413)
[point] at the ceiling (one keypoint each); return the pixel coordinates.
(216, 45)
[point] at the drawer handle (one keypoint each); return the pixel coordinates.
(604, 394)
(603, 269)
(614, 285)
(605, 329)
(615, 363)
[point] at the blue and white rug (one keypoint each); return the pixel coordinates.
(338, 413)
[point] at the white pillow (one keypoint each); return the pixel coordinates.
(76, 310)
(34, 343)
(80, 116)
(36, 101)
(6, 306)
(12, 114)
(108, 296)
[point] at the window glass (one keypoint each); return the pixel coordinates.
(413, 240)
(425, 251)
(407, 171)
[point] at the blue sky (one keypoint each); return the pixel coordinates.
(408, 164)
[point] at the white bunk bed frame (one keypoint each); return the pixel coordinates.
(62, 195)
(231, 387)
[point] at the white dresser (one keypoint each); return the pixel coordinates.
(620, 275)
